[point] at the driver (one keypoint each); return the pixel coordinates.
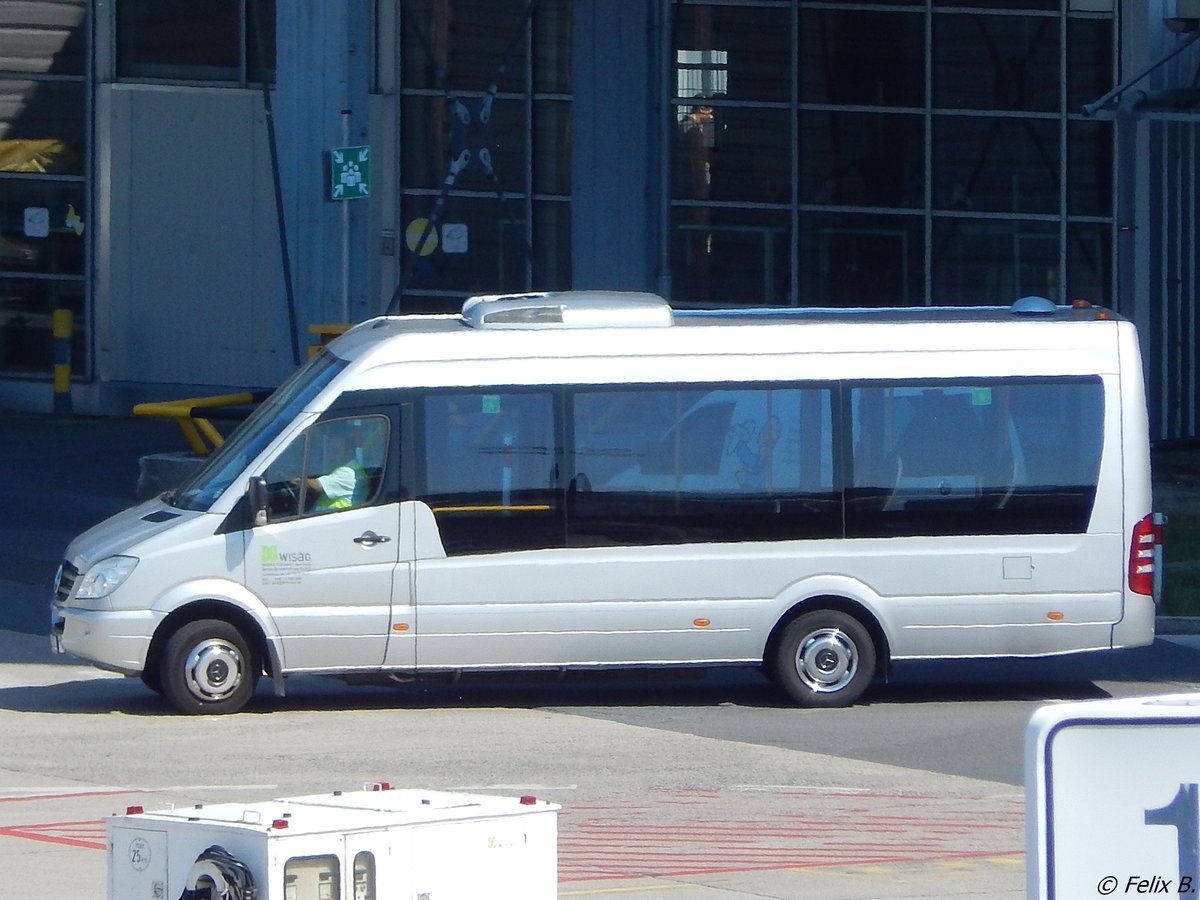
(346, 484)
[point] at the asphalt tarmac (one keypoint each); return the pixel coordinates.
(647, 812)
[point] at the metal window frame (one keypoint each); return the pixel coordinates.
(526, 193)
(1065, 12)
(84, 371)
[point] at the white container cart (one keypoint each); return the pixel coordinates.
(361, 845)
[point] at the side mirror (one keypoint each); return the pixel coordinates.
(256, 499)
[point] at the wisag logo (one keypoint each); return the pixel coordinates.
(271, 554)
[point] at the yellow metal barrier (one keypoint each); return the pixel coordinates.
(202, 436)
(195, 427)
(325, 334)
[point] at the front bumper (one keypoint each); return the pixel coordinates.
(117, 641)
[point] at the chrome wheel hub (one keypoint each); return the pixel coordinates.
(827, 660)
(214, 669)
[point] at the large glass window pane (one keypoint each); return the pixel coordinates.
(425, 148)
(477, 245)
(552, 48)
(730, 257)
(742, 53)
(992, 262)
(862, 57)
(45, 38)
(179, 39)
(260, 17)
(42, 127)
(477, 158)
(862, 159)
(1090, 168)
(552, 147)
(552, 249)
(692, 152)
(1089, 263)
(996, 62)
(26, 333)
(752, 157)
(861, 260)
(1089, 61)
(42, 224)
(467, 44)
(996, 164)
(435, 139)
(732, 153)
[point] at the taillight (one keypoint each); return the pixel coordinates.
(1145, 554)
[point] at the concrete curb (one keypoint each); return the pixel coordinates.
(1177, 625)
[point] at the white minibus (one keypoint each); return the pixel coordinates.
(584, 480)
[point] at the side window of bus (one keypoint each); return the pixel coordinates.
(336, 464)
(705, 463)
(1061, 429)
(939, 458)
(491, 470)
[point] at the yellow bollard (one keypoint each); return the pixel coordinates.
(62, 324)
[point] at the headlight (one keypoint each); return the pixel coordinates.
(104, 577)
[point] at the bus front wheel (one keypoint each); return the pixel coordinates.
(208, 668)
(825, 658)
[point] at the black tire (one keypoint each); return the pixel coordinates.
(825, 658)
(152, 678)
(208, 668)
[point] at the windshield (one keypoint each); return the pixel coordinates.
(251, 437)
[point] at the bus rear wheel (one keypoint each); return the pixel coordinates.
(825, 658)
(208, 668)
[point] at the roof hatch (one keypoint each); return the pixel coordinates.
(568, 309)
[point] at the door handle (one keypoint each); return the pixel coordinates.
(370, 538)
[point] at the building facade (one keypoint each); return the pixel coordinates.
(408, 153)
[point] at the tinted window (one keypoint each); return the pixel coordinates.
(974, 458)
(252, 436)
(491, 470)
(676, 465)
(629, 466)
(336, 464)
(213, 41)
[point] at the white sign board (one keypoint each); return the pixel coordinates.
(1112, 798)
(37, 222)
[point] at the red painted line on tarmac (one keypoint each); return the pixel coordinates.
(852, 795)
(28, 797)
(88, 835)
(600, 872)
(612, 843)
(69, 834)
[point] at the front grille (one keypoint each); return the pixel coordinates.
(65, 581)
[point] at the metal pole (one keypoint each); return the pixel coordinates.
(285, 259)
(346, 229)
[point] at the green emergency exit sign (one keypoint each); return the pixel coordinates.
(349, 173)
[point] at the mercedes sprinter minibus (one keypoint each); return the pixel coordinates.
(590, 480)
